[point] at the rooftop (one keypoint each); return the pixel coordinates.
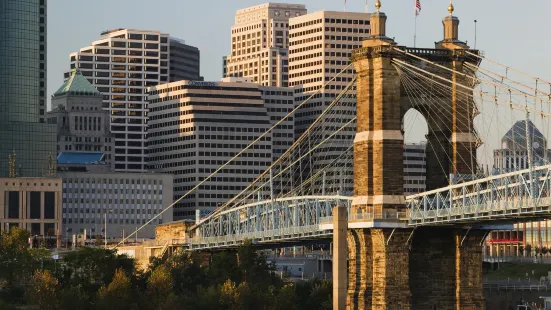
(518, 131)
(77, 85)
(80, 158)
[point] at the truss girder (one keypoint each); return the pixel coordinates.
(504, 197)
(496, 198)
(268, 221)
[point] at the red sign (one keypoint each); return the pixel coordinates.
(513, 240)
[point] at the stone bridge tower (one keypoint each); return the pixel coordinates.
(391, 266)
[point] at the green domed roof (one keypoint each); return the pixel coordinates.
(77, 85)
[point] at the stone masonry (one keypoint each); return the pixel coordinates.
(390, 266)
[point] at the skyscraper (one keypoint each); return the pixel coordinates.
(23, 88)
(195, 127)
(122, 64)
(260, 42)
(320, 46)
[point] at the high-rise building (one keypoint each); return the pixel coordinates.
(184, 61)
(415, 168)
(513, 155)
(259, 43)
(279, 102)
(82, 124)
(23, 88)
(195, 127)
(122, 64)
(320, 46)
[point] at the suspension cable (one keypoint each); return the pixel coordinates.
(236, 155)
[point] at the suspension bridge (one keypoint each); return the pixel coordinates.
(392, 251)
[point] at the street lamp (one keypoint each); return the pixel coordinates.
(105, 226)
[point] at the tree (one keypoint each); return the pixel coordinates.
(160, 288)
(14, 255)
(94, 267)
(254, 268)
(286, 299)
(528, 250)
(118, 295)
(187, 272)
(321, 296)
(223, 266)
(44, 291)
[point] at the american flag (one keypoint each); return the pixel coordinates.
(417, 7)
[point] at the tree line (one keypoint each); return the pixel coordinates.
(95, 278)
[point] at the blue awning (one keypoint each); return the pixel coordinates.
(80, 158)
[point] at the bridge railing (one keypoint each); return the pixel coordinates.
(516, 193)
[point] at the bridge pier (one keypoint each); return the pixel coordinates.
(435, 268)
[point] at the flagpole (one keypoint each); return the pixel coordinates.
(415, 31)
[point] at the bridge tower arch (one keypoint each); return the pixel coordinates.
(384, 268)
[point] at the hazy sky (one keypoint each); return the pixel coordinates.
(515, 33)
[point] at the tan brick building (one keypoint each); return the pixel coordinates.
(31, 203)
(259, 43)
(320, 46)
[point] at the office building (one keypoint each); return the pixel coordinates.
(33, 204)
(320, 46)
(513, 154)
(259, 43)
(126, 200)
(121, 64)
(184, 61)
(196, 127)
(82, 124)
(279, 101)
(23, 88)
(415, 168)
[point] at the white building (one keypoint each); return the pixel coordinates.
(121, 64)
(259, 49)
(320, 46)
(415, 168)
(195, 127)
(127, 200)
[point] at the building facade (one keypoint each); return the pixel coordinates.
(184, 61)
(82, 124)
(126, 200)
(23, 61)
(195, 127)
(513, 155)
(279, 102)
(121, 65)
(415, 168)
(526, 239)
(320, 46)
(33, 204)
(259, 43)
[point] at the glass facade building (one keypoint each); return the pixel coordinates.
(23, 88)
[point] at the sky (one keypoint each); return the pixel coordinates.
(511, 32)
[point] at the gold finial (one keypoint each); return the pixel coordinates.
(378, 5)
(451, 8)
(51, 170)
(12, 161)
